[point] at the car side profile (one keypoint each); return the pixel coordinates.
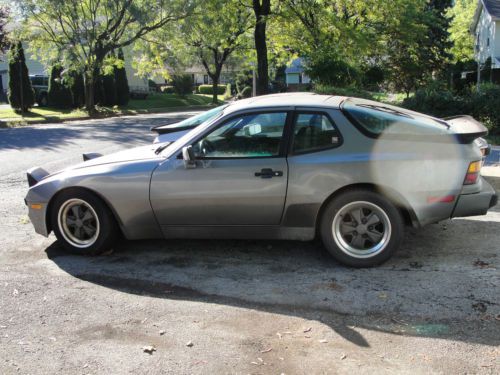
(289, 166)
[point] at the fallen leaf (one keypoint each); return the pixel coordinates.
(266, 350)
(15, 292)
(343, 356)
(189, 344)
(382, 295)
(162, 332)
(308, 330)
(260, 359)
(323, 341)
(149, 349)
(279, 335)
(254, 363)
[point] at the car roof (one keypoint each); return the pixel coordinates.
(298, 99)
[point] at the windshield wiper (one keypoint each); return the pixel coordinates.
(162, 147)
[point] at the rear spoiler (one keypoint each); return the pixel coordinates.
(466, 128)
(166, 129)
(35, 174)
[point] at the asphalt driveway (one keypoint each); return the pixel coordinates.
(212, 307)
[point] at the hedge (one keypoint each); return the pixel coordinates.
(207, 89)
(483, 105)
(167, 89)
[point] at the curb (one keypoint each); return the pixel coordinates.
(16, 123)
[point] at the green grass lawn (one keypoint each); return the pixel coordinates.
(153, 103)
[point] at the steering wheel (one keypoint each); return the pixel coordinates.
(205, 147)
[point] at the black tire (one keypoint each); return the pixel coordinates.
(107, 229)
(340, 244)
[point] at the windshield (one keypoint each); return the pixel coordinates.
(377, 118)
(199, 119)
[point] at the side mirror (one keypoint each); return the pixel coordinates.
(188, 157)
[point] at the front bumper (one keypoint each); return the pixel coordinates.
(476, 203)
(38, 218)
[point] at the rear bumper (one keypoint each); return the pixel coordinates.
(477, 203)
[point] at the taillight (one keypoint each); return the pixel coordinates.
(472, 173)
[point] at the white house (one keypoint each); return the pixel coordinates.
(295, 76)
(486, 30)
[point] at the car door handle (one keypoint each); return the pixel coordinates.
(268, 173)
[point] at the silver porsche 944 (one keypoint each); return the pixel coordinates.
(291, 166)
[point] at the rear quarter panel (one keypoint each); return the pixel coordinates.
(407, 170)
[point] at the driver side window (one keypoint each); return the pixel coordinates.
(250, 136)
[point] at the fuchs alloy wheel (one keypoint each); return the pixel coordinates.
(82, 222)
(78, 223)
(361, 228)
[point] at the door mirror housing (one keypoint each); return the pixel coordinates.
(188, 157)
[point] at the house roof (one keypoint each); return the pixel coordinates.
(492, 7)
(295, 66)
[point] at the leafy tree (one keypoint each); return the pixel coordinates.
(84, 32)
(21, 94)
(461, 14)
(215, 34)
(58, 94)
(436, 45)
(122, 88)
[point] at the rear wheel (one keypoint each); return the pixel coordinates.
(361, 228)
(82, 223)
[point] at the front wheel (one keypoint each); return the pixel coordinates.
(361, 228)
(82, 223)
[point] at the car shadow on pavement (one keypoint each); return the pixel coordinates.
(440, 284)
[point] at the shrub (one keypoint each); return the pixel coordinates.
(436, 102)
(121, 82)
(207, 89)
(75, 83)
(485, 106)
(182, 84)
(342, 91)
(330, 70)
(109, 87)
(21, 94)
(373, 77)
(58, 93)
(227, 93)
(167, 89)
(246, 92)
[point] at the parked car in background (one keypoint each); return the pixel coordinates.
(290, 166)
(40, 84)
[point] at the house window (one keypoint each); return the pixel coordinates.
(488, 42)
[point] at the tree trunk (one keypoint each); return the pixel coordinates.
(89, 94)
(215, 88)
(261, 11)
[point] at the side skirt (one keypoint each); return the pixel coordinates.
(239, 232)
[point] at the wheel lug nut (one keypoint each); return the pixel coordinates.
(363, 221)
(355, 233)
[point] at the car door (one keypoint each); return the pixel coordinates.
(240, 177)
